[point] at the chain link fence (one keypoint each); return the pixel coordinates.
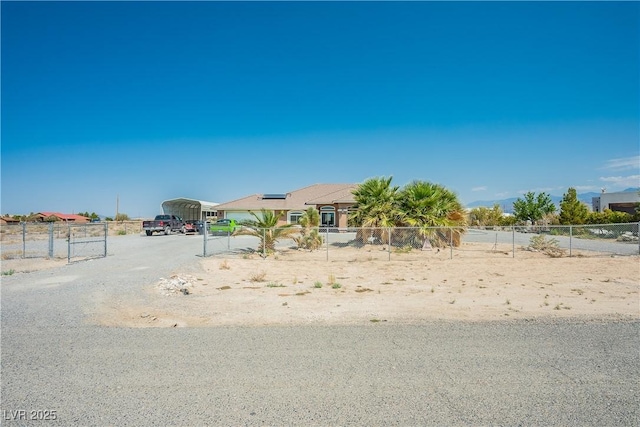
(87, 241)
(53, 240)
(410, 244)
(78, 241)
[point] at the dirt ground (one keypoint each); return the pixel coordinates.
(291, 289)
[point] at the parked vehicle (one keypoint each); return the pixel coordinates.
(226, 226)
(164, 224)
(193, 226)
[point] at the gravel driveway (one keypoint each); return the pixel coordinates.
(55, 364)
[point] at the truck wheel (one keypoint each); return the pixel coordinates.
(183, 230)
(149, 232)
(167, 230)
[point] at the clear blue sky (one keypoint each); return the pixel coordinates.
(148, 101)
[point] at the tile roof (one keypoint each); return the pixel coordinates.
(342, 195)
(65, 217)
(294, 200)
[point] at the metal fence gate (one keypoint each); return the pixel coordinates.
(86, 241)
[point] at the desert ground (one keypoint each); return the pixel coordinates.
(361, 286)
(292, 289)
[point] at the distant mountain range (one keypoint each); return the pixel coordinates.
(507, 204)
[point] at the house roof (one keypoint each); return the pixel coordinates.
(64, 217)
(294, 200)
(342, 195)
(8, 219)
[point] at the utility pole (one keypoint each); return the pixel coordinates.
(117, 206)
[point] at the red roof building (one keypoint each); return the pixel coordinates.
(57, 216)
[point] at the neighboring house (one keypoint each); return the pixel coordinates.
(333, 201)
(7, 220)
(57, 216)
(622, 201)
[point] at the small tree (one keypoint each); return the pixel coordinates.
(485, 217)
(265, 227)
(309, 236)
(533, 208)
(122, 217)
(572, 210)
(608, 216)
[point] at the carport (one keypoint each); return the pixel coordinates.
(190, 209)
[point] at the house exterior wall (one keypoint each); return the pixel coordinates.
(620, 201)
(341, 212)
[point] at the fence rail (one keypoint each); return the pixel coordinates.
(77, 241)
(53, 240)
(407, 243)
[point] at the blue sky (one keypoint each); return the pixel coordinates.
(148, 101)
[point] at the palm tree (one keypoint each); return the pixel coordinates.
(426, 205)
(266, 228)
(376, 202)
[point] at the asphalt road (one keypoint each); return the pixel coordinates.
(55, 364)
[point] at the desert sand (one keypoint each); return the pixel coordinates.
(358, 287)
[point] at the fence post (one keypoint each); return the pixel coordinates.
(205, 232)
(69, 244)
(264, 243)
(51, 240)
(106, 234)
(389, 246)
(326, 230)
(24, 241)
(451, 242)
(513, 241)
(570, 239)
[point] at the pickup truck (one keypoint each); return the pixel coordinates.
(164, 224)
(226, 226)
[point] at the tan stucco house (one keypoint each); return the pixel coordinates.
(333, 202)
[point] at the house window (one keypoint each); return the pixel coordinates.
(328, 216)
(294, 217)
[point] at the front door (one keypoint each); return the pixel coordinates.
(328, 219)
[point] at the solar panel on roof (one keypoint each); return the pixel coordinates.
(274, 196)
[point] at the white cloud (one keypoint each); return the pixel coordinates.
(622, 181)
(622, 164)
(481, 188)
